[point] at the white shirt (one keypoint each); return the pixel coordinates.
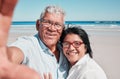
(38, 57)
(86, 68)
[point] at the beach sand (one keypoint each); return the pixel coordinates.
(105, 43)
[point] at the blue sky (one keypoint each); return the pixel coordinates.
(78, 10)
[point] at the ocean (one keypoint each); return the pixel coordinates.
(84, 23)
(100, 27)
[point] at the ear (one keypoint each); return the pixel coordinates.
(37, 24)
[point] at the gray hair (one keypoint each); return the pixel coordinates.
(52, 9)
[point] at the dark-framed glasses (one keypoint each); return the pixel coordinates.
(75, 44)
(48, 23)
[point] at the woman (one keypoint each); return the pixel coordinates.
(76, 48)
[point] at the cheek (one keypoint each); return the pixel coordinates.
(59, 32)
(42, 29)
(64, 50)
(82, 50)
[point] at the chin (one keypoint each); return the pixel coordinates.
(50, 43)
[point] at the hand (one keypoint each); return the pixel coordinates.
(7, 7)
(48, 76)
(9, 70)
(6, 12)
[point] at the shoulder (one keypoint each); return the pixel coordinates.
(25, 42)
(27, 38)
(22, 40)
(93, 71)
(93, 74)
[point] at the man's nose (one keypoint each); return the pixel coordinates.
(52, 27)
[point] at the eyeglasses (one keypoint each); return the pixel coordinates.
(48, 23)
(75, 44)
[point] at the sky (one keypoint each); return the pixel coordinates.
(76, 10)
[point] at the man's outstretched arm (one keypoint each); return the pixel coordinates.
(9, 70)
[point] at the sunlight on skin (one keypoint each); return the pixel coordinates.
(6, 11)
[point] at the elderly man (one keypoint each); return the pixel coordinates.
(43, 52)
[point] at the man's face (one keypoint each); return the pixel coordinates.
(50, 29)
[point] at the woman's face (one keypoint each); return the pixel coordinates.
(73, 48)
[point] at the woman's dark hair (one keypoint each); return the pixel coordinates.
(81, 33)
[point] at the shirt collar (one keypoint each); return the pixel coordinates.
(42, 45)
(45, 48)
(82, 61)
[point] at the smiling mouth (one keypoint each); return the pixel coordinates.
(50, 35)
(71, 53)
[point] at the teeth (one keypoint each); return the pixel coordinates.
(70, 53)
(50, 34)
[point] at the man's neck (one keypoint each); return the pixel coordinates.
(57, 55)
(55, 51)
